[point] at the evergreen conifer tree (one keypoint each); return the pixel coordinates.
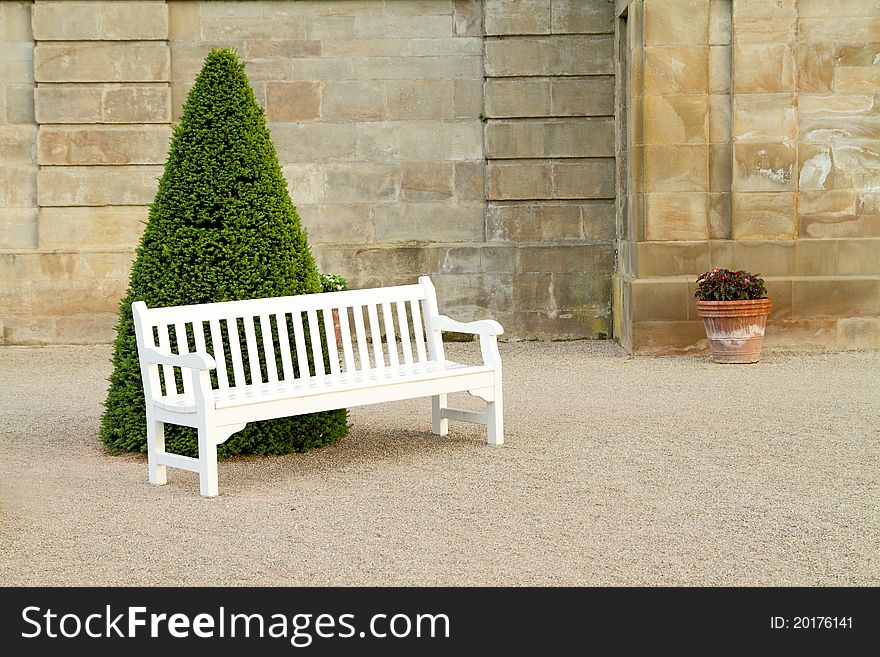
(221, 227)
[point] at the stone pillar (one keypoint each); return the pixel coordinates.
(102, 106)
(549, 139)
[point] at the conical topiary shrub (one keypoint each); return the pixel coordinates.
(222, 227)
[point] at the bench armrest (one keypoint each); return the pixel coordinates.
(195, 360)
(480, 327)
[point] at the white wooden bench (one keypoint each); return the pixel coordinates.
(180, 346)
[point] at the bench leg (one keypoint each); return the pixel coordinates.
(495, 418)
(156, 444)
(208, 481)
(440, 424)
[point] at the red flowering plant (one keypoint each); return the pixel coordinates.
(726, 285)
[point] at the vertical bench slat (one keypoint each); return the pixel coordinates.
(219, 354)
(361, 334)
(390, 337)
(268, 348)
(167, 371)
(418, 329)
(378, 354)
(345, 334)
(250, 338)
(302, 355)
(332, 348)
(404, 333)
(315, 335)
(183, 348)
(284, 346)
(235, 352)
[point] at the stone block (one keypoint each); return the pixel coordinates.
(66, 21)
(446, 46)
(588, 179)
(360, 262)
(779, 291)
(467, 18)
(366, 48)
(128, 21)
(21, 186)
(676, 216)
(720, 119)
(361, 182)
(765, 29)
(97, 185)
(858, 333)
(764, 167)
(17, 103)
(764, 118)
(582, 96)
(720, 210)
(676, 70)
(835, 296)
(404, 27)
(293, 101)
(817, 170)
(17, 144)
(672, 259)
(665, 338)
(337, 223)
(352, 100)
(467, 98)
(427, 181)
(517, 97)
(16, 71)
(587, 137)
(469, 181)
(428, 7)
(29, 330)
(581, 17)
(720, 167)
(719, 69)
(429, 222)
(683, 22)
(18, 228)
(317, 142)
(305, 182)
(598, 219)
(135, 104)
(62, 103)
(854, 29)
(511, 17)
(676, 119)
(763, 68)
(102, 62)
(855, 257)
(500, 259)
(816, 257)
(764, 216)
(420, 99)
(413, 68)
(720, 19)
(419, 141)
(15, 21)
(269, 70)
(282, 48)
(558, 55)
(335, 28)
(856, 79)
(253, 27)
(815, 67)
(677, 168)
(533, 223)
(835, 226)
(184, 21)
(455, 260)
(16, 298)
(828, 202)
(97, 227)
(566, 258)
(145, 144)
(660, 299)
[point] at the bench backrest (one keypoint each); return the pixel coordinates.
(279, 339)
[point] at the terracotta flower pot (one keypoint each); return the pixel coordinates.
(735, 328)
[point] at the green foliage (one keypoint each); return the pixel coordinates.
(333, 283)
(726, 285)
(221, 227)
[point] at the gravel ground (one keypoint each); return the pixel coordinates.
(617, 471)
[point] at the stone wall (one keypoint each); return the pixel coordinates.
(752, 144)
(378, 110)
